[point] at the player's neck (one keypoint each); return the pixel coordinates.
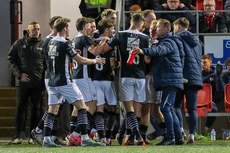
(133, 28)
(61, 34)
(84, 32)
(104, 35)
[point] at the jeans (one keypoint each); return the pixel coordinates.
(167, 109)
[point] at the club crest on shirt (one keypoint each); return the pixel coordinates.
(211, 78)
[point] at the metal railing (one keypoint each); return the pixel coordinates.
(196, 12)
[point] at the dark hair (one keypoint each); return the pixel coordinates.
(81, 22)
(137, 18)
(182, 21)
(145, 13)
(52, 20)
(61, 23)
(166, 24)
(103, 24)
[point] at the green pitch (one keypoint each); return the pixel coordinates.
(219, 146)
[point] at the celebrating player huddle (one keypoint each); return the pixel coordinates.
(83, 73)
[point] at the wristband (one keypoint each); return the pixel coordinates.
(94, 61)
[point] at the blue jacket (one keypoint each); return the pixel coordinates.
(192, 66)
(169, 58)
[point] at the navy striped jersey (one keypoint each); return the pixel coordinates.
(103, 72)
(44, 49)
(126, 40)
(82, 43)
(60, 52)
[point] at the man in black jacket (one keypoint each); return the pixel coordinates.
(175, 5)
(211, 22)
(26, 61)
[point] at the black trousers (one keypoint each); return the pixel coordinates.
(23, 95)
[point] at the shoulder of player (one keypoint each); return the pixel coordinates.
(59, 39)
(80, 38)
(133, 32)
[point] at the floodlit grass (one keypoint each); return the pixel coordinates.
(218, 146)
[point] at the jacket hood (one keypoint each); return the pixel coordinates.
(32, 39)
(189, 38)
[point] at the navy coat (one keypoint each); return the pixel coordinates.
(169, 57)
(192, 65)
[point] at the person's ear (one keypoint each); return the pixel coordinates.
(106, 30)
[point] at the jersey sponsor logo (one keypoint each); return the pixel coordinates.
(133, 42)
(53, 51)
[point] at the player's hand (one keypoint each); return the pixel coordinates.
(219, 68)
(138, 50)
(25, 78)
(181, 5)
(104, 40)
(165, 5)
(100, 61)
(78, 51)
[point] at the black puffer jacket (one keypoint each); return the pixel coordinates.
(26, 56)
(210, 77)
(218, 24)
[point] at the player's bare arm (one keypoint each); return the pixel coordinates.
(102, 47)
(87, 61)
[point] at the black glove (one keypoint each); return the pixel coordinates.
(219, 69)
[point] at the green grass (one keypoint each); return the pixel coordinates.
(219, 146)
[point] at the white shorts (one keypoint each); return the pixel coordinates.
(70, 92)
(132, 89)
(60, 99)
(105, 92)
(152, 96)
(87, 89)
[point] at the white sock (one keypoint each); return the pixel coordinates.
(94, 131)
(109, 140)
(85, 137)
(75, 134)
(127, 137)
(53, 138)
(191, 136)
(38, 130)
(47, 139)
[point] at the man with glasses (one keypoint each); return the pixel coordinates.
(211, 22)
(175, 5)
